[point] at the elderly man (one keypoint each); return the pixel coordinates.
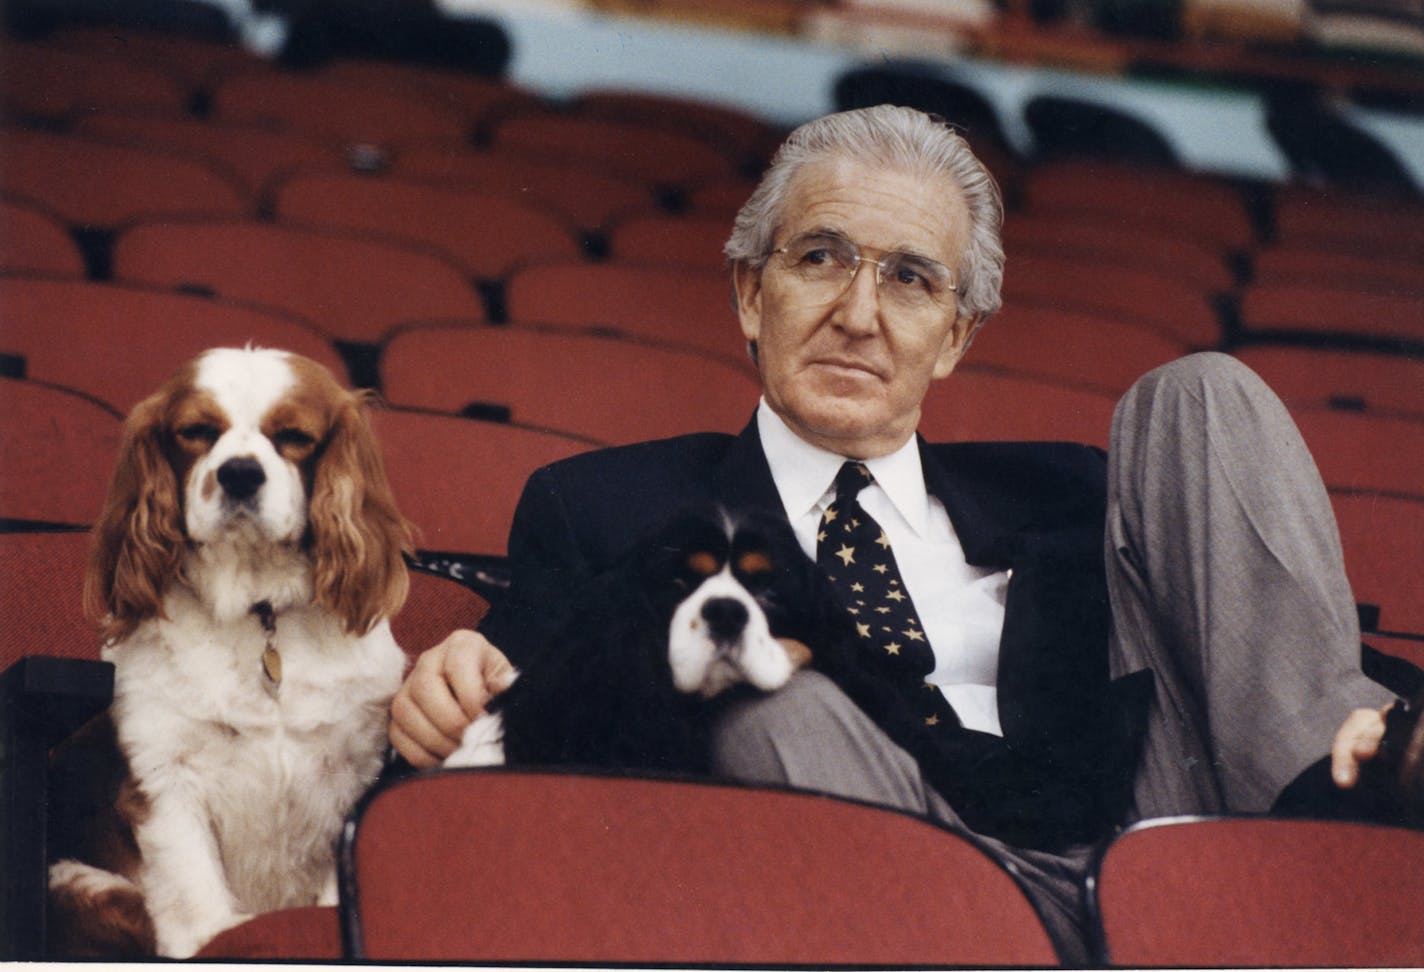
(863, 264)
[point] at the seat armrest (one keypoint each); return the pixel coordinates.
(42, 701)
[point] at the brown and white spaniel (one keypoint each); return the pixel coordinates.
(244, 568)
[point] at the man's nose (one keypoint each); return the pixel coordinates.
(858, 310)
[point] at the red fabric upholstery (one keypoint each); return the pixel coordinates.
(293, 935)
(255, 153)
(1112, 239)
(1166, 303)
(533, 867)
(334, 107)
(1247, 892)
(1091, 350)
(1331, 307)
(604, 389)
(36, 240)
(57, 452)
(586, 197)
(1382, 382)
(436, 606)
(87, 181)
(973, 405)
(53, 82)
(680, 306)
(652, 154)
(1361, 451)
(120, 343)
(1383, 537)
(42, 597)
(457, 479)
(351, 287)
(511, 229)
(1194, 206)
(681, 241)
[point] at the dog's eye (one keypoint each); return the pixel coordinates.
(292, 439)
(703, 563)
(199, 433)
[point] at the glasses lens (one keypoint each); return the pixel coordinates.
(914, 281)
(824, 266)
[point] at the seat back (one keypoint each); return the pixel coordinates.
(57, 452)
(601, 388)
(119, 343)
(986, 406)
(1379, 382)
(42, 596)
(37, 241)
(352, 287)
(1232, 892)
(499, 866)
(1383, 540)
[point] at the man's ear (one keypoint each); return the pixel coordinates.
(956, 342)
(746, 282)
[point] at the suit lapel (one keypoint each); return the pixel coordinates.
(743, 478)
(986, 542)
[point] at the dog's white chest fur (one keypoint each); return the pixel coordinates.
(248, 781)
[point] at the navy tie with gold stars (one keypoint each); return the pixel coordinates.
(855, 554)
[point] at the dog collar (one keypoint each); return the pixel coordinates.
(271, 657)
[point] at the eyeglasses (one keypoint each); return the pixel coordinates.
(823, 265)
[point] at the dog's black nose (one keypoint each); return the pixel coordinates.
(725, 617)
(240, 478)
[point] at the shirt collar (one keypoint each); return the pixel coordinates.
(804, 473)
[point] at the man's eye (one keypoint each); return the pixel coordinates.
(906, 275)
(199, 433)
(293, 438)
(819, 257)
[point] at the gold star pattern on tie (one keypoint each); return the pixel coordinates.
(856, 554)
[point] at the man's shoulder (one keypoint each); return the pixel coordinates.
(1028, 483)
(1070, 460)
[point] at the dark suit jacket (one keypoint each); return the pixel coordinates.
(1062, 772)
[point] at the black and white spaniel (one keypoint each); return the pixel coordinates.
(242, 572)
(712, 604)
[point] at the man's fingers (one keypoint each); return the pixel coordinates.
(419, 752)
(1356, 742)
(473, 670)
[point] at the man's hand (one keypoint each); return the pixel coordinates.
(1356, 742)
(449, 687)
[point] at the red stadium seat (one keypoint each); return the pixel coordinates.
(254, 153)
(56, 83)
(1383, 538)
(1358, 451)
(973, 405)
(521, 867)
(1386, 274)
(681, 241)
(1331, 307)
(197, 61)
(335, 108)
(458, 480)
(435, 607)
(119, 343)
(586, 197)
(1085, 349)
(351, 287)
(1193, 206)
(719, 197)
(731, 130)
(679, 307)
(42, 597)
(654, 155)
(1242, 892)
(37, 241)
(1364, 224)
(1410, 649)
(1316, 376)
(291, 935)
(603, 389)
(472, 96)
(487, 234)
(95, 183)
(1123, 241)
(1174, 307)
(57, 452)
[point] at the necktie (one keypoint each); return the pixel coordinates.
(855, 554)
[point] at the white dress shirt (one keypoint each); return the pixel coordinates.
(961, 607)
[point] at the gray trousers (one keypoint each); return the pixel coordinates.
(1226, 580)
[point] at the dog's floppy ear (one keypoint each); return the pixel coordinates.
(137, 544)
(357, 534)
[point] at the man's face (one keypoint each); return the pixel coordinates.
(849, 374)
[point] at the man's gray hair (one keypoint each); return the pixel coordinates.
(885, 135)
